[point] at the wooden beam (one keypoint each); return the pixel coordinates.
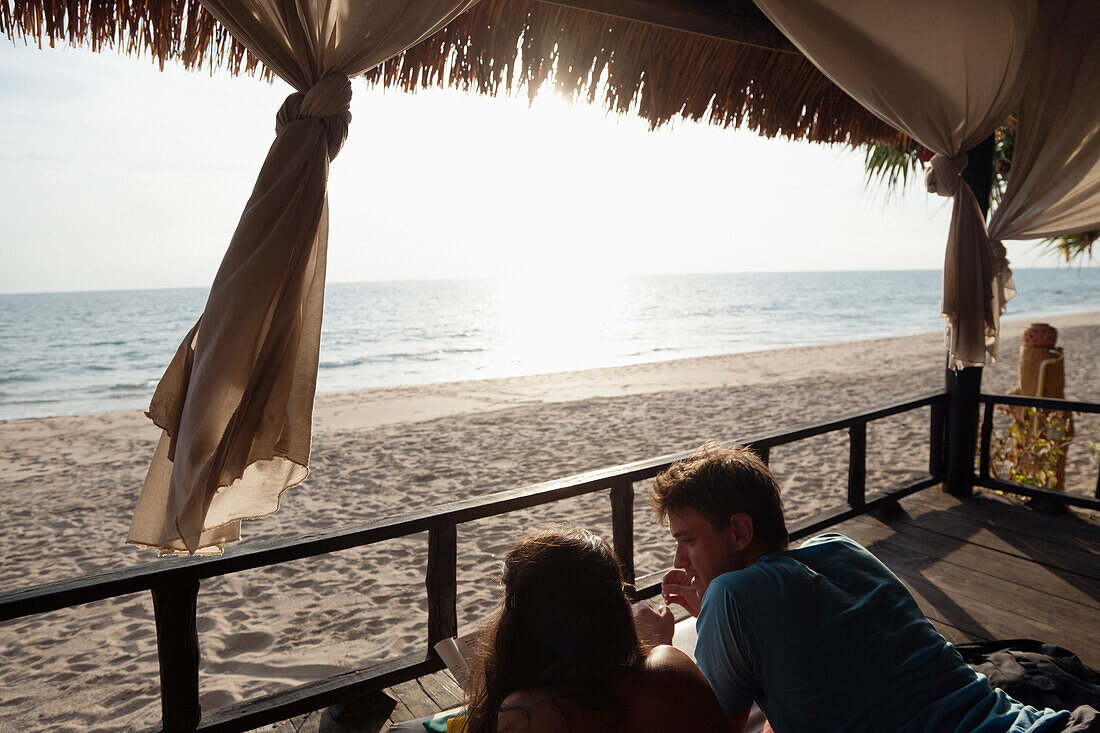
(937, 427)
(751, 30)
(622, 526)
(441, 582)
(174, 607)
(1035, 492)
(961, 436)
(1043, 403)
(987, 439)
(857, 465)
(261, 711)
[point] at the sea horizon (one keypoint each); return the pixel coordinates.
(92, 351)
(1071, 267)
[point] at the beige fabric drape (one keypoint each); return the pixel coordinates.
(236, 402)
(1054, 185)
(947, 73)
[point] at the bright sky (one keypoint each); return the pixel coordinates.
(117, 175)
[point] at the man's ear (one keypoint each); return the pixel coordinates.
(741, 530)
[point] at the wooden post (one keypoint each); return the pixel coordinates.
(857, 465)
(441, 582)
(622, 526)
(175, 608)
(935, 439)
(961, 435)
(964, 385)
(987, 438)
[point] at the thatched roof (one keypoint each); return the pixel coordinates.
(723, 63)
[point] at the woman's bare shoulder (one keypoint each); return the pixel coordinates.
(672, 694)
(668, 660)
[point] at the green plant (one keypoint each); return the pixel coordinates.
(1072, 246)
(1094, 447)
(1032, 447)
(890, 165)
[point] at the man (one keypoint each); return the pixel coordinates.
(823, 637)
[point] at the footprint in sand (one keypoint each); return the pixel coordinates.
(248, 641)
(214, 699)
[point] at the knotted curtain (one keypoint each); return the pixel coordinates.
(235, 404)
(947, 73)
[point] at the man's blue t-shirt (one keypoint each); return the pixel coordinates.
(826, 638)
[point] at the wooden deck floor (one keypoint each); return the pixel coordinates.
(983, 568)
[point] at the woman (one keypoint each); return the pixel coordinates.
(562, 653)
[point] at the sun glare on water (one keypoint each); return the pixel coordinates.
(558, 321)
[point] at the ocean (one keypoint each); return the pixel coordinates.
(73, 353)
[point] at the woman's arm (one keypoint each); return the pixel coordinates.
(673, 677)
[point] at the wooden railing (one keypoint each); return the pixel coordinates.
(984, 477)
(174, 582)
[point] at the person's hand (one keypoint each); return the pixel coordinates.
(655, 625)
(687, 590)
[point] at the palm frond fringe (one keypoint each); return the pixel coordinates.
(511, 47)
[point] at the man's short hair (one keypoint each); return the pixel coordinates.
(719, 482)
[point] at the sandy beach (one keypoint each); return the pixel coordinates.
(69, 484)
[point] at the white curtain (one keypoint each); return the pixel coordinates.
(1054, 184)
(947, 73)
(236, 402)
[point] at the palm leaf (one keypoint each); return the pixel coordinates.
(1072, 246)
(889, 165)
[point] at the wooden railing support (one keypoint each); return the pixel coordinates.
(175, 609)
(986, 480)
(938, 421)
(622, 526)
(857, 465)
(441, 582)
(987, 439)
(961, 434)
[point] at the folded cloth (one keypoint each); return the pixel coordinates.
(1036, 674)
(1084, 719)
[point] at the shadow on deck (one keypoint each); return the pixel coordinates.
(986, 567)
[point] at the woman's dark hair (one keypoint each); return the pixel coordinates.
(564, 626)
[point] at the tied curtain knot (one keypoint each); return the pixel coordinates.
(944, 174)
(328, 101)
